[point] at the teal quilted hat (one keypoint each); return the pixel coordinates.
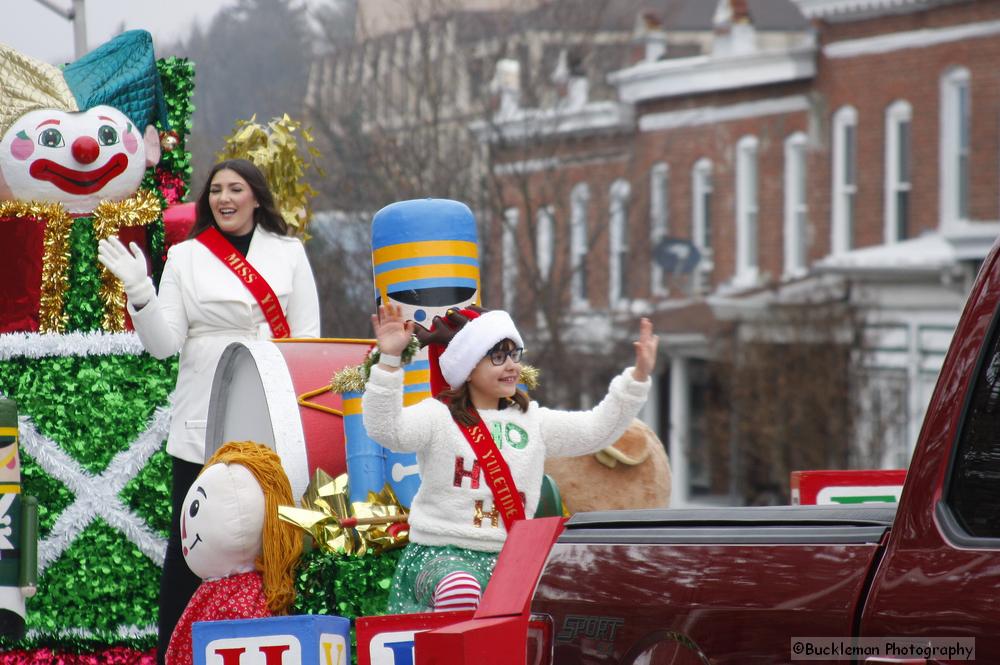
(121, 73)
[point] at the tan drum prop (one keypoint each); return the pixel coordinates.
(277, 393)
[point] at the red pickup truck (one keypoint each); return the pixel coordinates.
(738, 585)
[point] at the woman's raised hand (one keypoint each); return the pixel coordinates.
(391, 330)
(128, 265)
(645, 351)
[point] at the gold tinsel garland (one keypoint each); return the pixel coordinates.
(55, 257)
(283, 151)
(109, 218)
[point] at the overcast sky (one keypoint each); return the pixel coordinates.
(32, 28)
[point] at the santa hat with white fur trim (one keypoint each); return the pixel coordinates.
(460, 340)
(473, 341)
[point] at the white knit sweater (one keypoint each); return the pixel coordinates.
(454, 506)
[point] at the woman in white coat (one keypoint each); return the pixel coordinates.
(218, 286)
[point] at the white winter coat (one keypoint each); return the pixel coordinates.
(202, 307)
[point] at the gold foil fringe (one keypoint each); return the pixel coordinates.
(109, 218)
(55, 257)
(283, 151)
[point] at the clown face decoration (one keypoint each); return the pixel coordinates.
(76, 159)
(222, 522)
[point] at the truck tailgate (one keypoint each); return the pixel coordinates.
(726, 585)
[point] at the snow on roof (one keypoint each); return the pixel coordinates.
(929, 252)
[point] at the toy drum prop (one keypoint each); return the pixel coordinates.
(273, 393)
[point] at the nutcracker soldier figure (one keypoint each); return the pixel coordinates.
(18, 530)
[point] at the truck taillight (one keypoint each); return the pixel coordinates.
(539, 651)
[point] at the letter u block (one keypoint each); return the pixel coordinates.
(288, 640)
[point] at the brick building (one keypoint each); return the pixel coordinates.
(857, 156)
(770, 153)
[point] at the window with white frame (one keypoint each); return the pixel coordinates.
(845, 183)
(796, 234)
(701, 211)
(956, 116)
(544, 239)
(579, 200)
(746, 210)
(509, 248)
(659, 201)
(897, 171)
(618, 260)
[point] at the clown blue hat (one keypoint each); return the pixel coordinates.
(121, 73)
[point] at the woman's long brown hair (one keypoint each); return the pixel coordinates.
(265, 215)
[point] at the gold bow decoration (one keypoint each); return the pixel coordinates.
(338, 525)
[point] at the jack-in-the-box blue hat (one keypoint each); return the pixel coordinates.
(121, 73)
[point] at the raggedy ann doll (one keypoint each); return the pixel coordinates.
(230, 512)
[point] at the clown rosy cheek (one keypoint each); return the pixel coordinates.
(21, 149)
(131, 142)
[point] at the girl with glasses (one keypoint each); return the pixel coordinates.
(481, 445)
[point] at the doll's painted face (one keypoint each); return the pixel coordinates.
(76, 159)
(222, 522)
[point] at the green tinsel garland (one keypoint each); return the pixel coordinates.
(102, 583)
(177, 75)
(156, 237)
(83, 303)
(93, 407)
(144, 494)
(345, 585)
(54, 497)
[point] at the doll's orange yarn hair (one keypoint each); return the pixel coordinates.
(282, 542)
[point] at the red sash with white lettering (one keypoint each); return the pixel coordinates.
(248, 275)
(494, 466)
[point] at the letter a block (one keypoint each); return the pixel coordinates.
(290, 640)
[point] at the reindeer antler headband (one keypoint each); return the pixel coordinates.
(459, 341)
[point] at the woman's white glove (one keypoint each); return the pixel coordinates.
(129, 267)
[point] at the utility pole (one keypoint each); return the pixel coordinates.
(78, 15)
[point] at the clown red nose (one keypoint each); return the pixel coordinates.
(86, 150)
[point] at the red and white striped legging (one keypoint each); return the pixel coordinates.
(457, 591)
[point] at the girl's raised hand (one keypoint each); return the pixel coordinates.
(645, 351)
(391, 330)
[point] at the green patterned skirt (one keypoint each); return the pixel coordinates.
(422, 567)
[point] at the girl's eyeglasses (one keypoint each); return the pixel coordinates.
(500, 357)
